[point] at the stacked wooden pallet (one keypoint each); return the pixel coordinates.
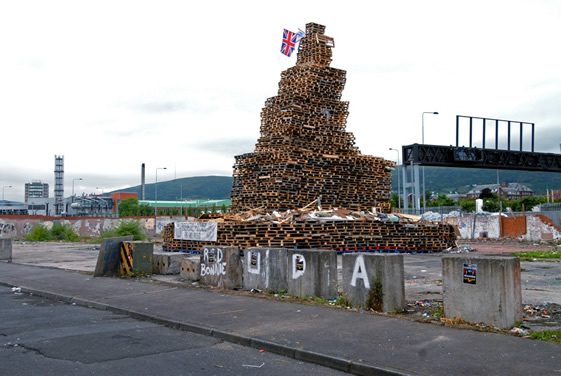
(304, 150)
(334, 235)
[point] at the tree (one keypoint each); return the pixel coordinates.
(128, 207)
(442, 200)
(467, 205)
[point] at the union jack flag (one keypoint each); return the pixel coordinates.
(289, 40)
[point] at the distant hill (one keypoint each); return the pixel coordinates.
(438, 179)
(196, 187)
(447, 179)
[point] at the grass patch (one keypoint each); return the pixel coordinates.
(529, 256)
(547, 335)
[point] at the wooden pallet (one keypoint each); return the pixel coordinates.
(304, 150)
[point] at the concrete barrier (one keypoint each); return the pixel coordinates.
(6, 250)
(312, 272)
(142, 256)
(167, 262)
(221, 267)
(108, 259)
(374, 281)
(265, 269)
(191, 268)
(483, 289)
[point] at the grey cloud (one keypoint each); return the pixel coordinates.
(228, 147)
(160, 106)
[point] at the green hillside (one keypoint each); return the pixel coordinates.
(438, 179)
(196, 187)
(446, 179)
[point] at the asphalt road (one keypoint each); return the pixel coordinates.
(43, 337)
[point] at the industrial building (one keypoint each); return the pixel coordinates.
(36, 189)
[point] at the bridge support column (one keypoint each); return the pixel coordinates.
(411, 189)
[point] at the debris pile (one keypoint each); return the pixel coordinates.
(304, 151)
(310, 214)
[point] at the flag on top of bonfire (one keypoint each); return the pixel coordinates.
(289, 40)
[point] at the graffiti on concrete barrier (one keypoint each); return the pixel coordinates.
(7, 229)
(212, 264)
(359, 272)
(253, 262)
(298, 265)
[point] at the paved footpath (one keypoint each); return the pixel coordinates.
(360, 343)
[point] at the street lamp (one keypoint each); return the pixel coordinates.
(423, 142)
(398, 185)
(156, 191)
(3, 188)
(73, 180)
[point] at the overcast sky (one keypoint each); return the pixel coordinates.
(181, 84)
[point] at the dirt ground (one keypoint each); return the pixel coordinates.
(541, 280)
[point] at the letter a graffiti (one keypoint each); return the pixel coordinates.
(360, 272)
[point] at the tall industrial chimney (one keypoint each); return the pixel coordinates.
(143, 182)
(59, 184)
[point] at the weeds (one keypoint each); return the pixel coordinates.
(547, 335)
(375, 300)
(536, 255)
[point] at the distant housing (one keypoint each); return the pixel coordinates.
(504, 190)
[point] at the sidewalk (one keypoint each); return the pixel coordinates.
(346, 340)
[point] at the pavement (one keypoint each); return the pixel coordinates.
(40, 336)
(357, 342)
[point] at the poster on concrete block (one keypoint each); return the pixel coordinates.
(200, 231)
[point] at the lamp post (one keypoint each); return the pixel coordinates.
(4, 188)
(398, 185)
(423, 142)
(156, 191)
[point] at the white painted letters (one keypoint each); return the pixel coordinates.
(212, 262)
(360, 272)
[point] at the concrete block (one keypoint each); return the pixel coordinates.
(221, 267)
(366, 272)
(265, 269)
(109, 256)
(6, 250)
(142, 257)
(312, 272)
(191, 268)
(167, 262)
(483, 289)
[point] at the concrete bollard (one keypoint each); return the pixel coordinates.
(167, 262)
(191, 268)
(6, 250)
(265, 269)
(142, 256)
(374, 281)
(221, 267)
(483, 289)
(312, 272)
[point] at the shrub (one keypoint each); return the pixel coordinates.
(126, 228)
(38, 233)
(64, 233)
